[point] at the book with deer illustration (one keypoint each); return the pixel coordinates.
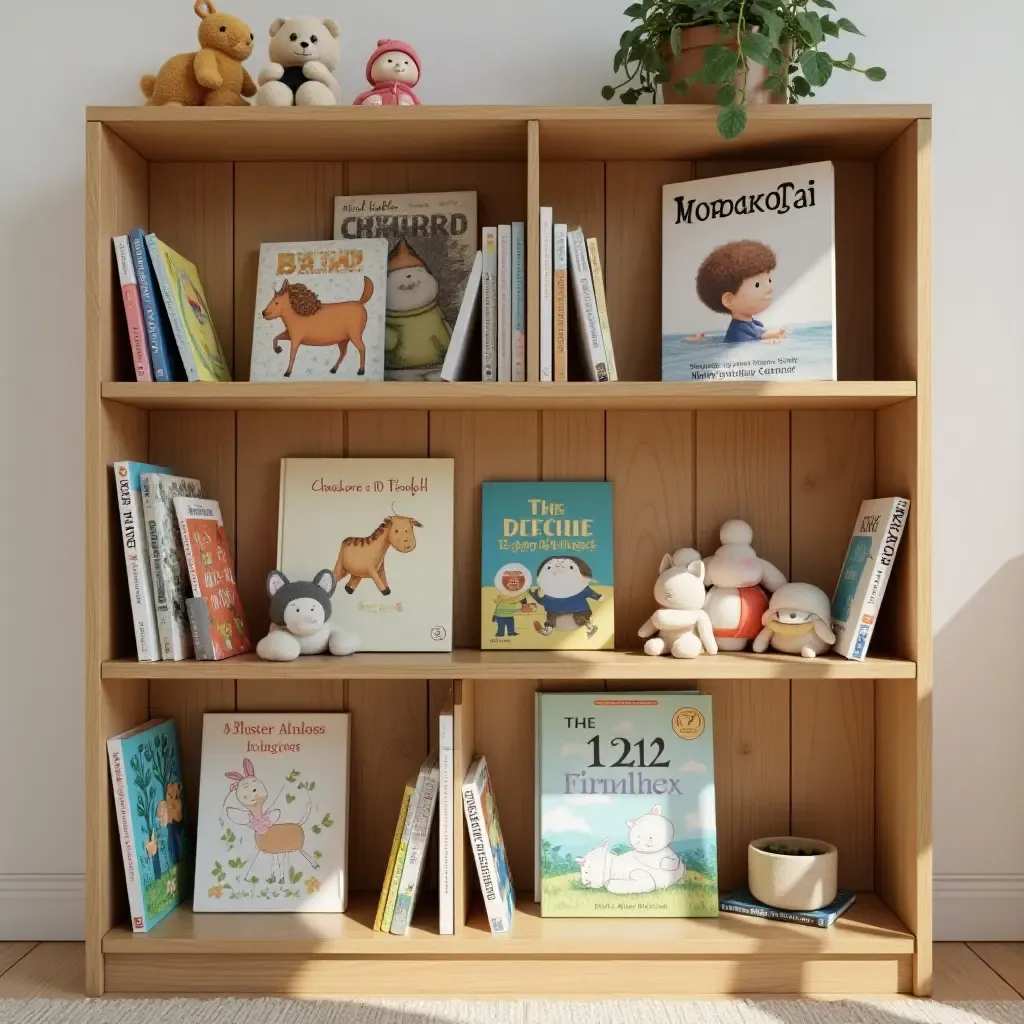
(626, 795)
(152, 820)
(385, 528)
(547, 566)
(432, 242)
(273, 813)
(320, 311)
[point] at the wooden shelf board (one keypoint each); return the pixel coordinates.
(847, 394)
(548, 665)
(869, 928)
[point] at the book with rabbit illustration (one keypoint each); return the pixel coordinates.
(273, 813)
(320, 311)
(152, 821)
(626, 802)
(547, 566)
(385, 528)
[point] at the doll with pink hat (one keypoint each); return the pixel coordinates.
(393, 70)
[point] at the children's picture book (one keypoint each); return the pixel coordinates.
(273, 813)
(740, 901)
(171, 587)
(431, 240)
(152, 820)
(446, 818)
(748, 277)
(881, 523)
(132, 519)
(518, 301)
(132, 302)
(588, 318)
(189, 313)
(163, 352)
(222, 631)
(547, 299)
(385, 528)
(547, 566)
(488, 846)
(627, 805)
(416, 839)
(320, 311)
(389, 874)
(489, 304)
(467, 327)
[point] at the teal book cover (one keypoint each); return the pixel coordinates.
(547, 566)
(152, 823)
(626, 794)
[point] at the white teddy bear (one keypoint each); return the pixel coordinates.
(681, 624)
(304, 53)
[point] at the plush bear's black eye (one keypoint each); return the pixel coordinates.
(223, 28)
(312, 39)
(293, 37)
(252, 38)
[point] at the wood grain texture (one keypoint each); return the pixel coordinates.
(575, 191)
(961, 973)
(1005, 958)
(52, 970)
(11, 953)
(533, 201)
(572, 446)
(855, 271)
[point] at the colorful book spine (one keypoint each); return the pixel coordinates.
(489, 305)
(412, 870)
(446, 820)
(403, 851)
(488, 847)
(126, 834)
(602, 306)
(518, 301)
(547, 285)
(741, 902)
(132, 300)
(410, 788)
(560, 302)
(163, 279)
(591, 338)
(154, 314)
(505, 302)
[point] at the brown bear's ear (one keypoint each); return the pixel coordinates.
(276, 27)
(205, 8)
(332, 26)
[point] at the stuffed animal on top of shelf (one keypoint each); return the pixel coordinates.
(304, 56)
(798, 621)
(680, 627)
(213, 76)
(300, 619)
(393, 71)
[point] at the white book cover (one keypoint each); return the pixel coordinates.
(385, 528)
(419, 840)
(547, 293)
(132, 519)
(320, 311)
(518, 301)
(505, 302)
(273, 813)
(561, 304)
(748, 276)
(167, 560)
(587, 317)
(466, 326)
(880, 526)
(489, 305)
(446, 807)
(487, 846)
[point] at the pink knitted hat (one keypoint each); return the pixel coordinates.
(385, 45)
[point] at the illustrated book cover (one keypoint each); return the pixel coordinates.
(163, 350)
(547, 566)
(466, 334)
(320, 311)
(385, 528)
(431, 240)
(740, 901)
(152, 820)
(416, 838)
(131, 299)
(487, 846)
(626, 805)
(189, 313)
(588, 318)
(881, 523)
(748, 277)
(389, 874)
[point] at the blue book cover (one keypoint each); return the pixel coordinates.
(163, 355)
(152, 822)
(740, 901)
(547, 566)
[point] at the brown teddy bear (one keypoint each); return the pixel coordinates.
(213, 77)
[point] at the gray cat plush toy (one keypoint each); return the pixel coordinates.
(300, 616)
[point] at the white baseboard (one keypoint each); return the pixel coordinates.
(979, 908)
(42, 908)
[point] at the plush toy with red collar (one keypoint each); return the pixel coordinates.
(393, 71)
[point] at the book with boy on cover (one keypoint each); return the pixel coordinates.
(432, 241)
(152, 822)
(626, 793)
(320, 311)
(748, 277)
(547, 566)
(487, 846)
(385, 528)
(273, 813)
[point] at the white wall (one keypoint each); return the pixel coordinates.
(548, 53)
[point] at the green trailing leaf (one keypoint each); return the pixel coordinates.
(773, 24)
(634, 11)
(801, 87)
(829, 27)
(607, 92)
(825, 3)
(726, 96)
(811, 24)
(776, 62)
(720, 65)
(848, 26)
(875, 74)
(776, 84)
(316, 828)
(731, 121)
(816, 67)
(757, 48)
(676, 41)
(630, 96)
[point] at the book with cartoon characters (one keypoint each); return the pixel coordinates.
(152, 820)
(748, 276)
(385, 528)
(626, 805)
(488, 846)
(547, 566)
(273, 813)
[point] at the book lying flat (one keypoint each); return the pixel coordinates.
(739, 901)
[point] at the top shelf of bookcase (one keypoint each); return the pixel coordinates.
(609, 132)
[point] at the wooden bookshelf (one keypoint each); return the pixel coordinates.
(825, 747)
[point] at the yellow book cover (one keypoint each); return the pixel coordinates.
(189, 313)
(410, 788)
(602, 306)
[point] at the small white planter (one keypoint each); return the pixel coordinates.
(792, 882)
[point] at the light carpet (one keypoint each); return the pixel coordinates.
(280, 1011)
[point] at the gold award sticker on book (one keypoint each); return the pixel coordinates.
(688, 723)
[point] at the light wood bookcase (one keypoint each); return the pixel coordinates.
(834, 749)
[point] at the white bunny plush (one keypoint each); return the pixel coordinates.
(681, 626)
(797, 621)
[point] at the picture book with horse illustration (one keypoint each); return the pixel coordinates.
(320, 310)
(273, 813)
(626, 805)
(385, 528)
(547, 566)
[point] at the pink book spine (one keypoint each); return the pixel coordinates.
(133, 309)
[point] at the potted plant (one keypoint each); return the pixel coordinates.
(730, 52)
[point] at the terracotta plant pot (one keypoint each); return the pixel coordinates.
(694, 42)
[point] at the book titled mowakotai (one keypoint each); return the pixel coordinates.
(748, 277)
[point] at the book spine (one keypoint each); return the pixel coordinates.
(537, 776)
(132, 300)
(133, 538)
(190, 561)
(489, 305)
(163, 369)
(486, 866)
(560, 298)
(586, 307)
(775, 914)
(126, 833)
(881, 570)
(164, 618)
(199, 623)
(446, 824)
(519, 301)
(173, 313)
(412, 870)
(602, 306)
(547, 285)
(395, 843)
(504, 302)
(403, 852)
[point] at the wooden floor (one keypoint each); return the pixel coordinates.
(975, 970)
